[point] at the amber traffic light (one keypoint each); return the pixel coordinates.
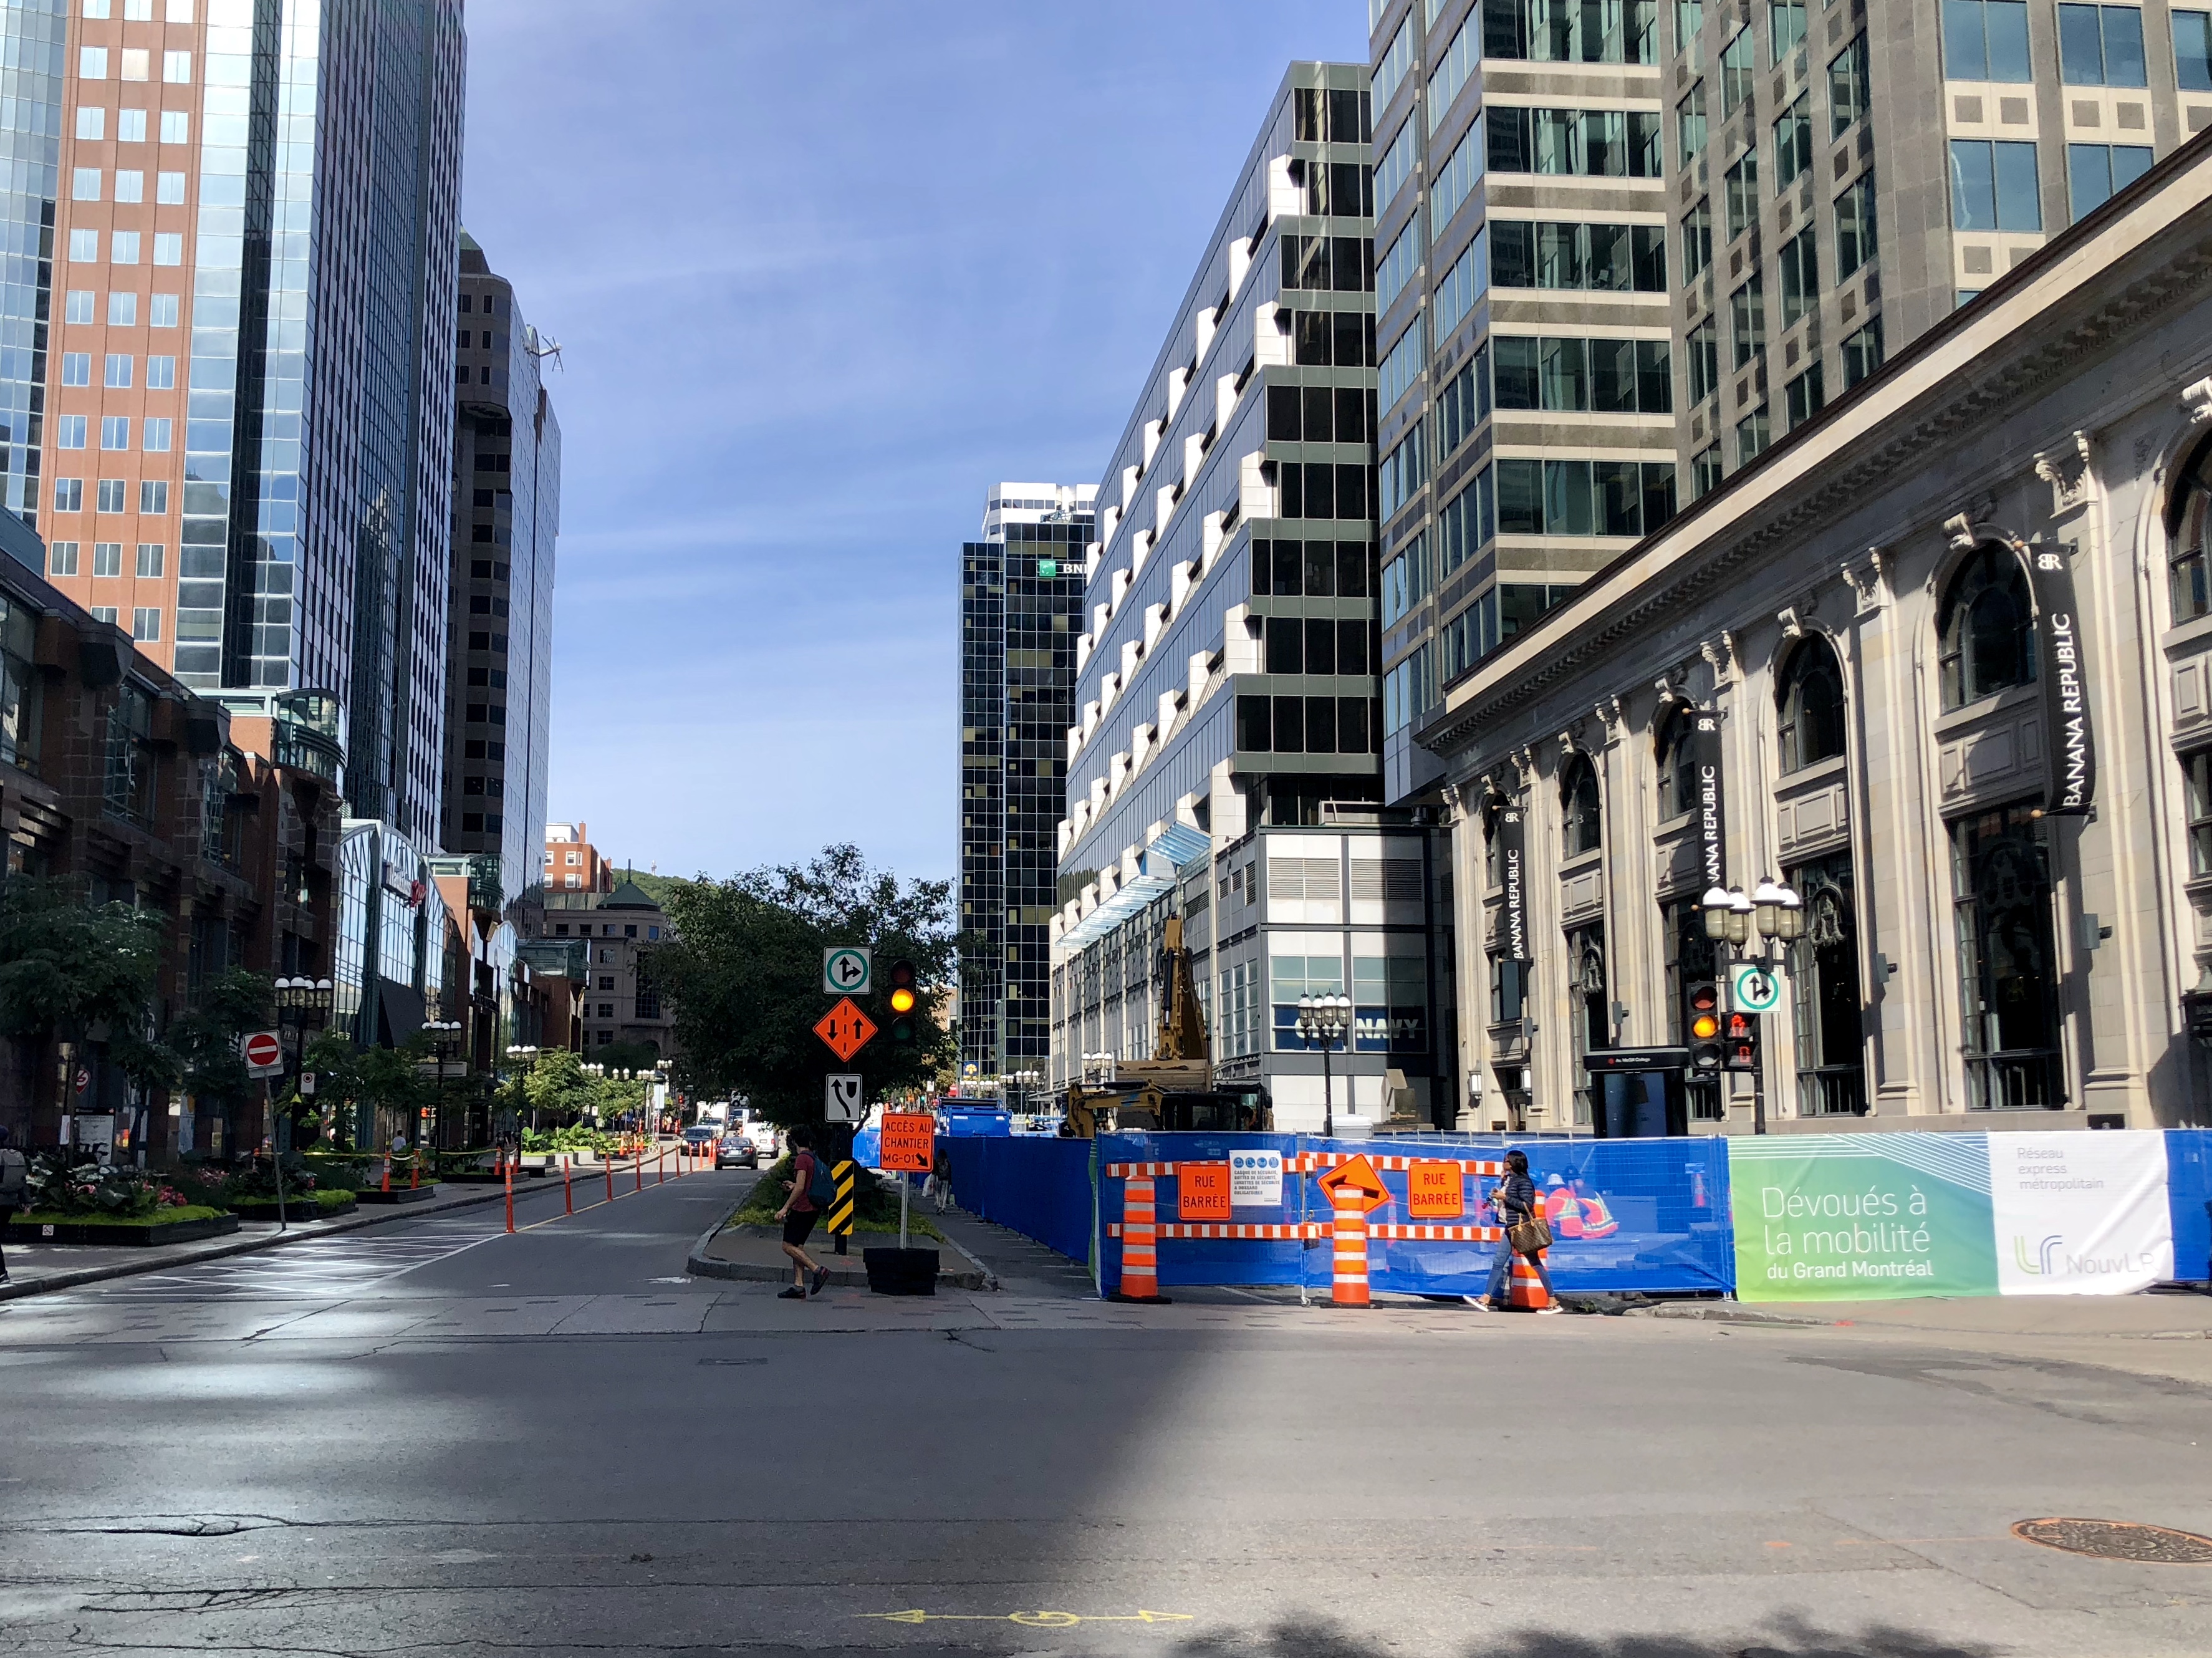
(904, 1000)
(1705, 1022)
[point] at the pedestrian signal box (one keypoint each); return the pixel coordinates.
(904, 998)
(1739, 1041)
(1706, 1052)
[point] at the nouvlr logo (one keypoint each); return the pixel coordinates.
(2040, 1267)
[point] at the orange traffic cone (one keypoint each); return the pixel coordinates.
(1526, 1294)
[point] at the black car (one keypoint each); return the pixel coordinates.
(735, 1151)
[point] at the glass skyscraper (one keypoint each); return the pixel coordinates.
(1021, 598)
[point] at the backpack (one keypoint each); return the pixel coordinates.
(822, 1185)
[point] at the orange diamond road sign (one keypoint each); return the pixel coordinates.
(1436, 1191)
(1358, 1175)
(846, 1028)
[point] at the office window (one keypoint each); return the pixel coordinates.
(76, 369)
(1985, 40)
(122, 312)
(130, 185)
(84, 183)
(1401, 474)
(1706, 472)
(1393, 271)
(1854, 235)
(61, 557)
(1401, 367)
(163, 311)
(111, 495)
(1862, 353)
(130, 126)
(157, 431)
(115, 432)
(69, 494)
(176, 127)
(169, 189)
(107, 558)
(1800, 277)
(91, 123)
(137, 64)
(118, 369)
(1793, 142)
(103, 613)
(123, 248)
(1750, 436)
(78, 306)
(1574, 143)
(1457, 178)
(1804, 397)
(160, 374)
(1464, 404)
(1785, 27)
(1584, 497)
(1453, 66)
(146, 624)
(1747, 319)
(1575, 376)
(177, 68)
(1689, 22)
(150, 559)
(1690, 123)
(92, 63)
(1611, 258)
(168, 247)
(1467, 281)
(1736, 71)
(2095, 172)
(2100, 45)
(69, 431)
(1847, 86)
(1993, 184)
(1743, 194)
(1704, 366)
(1394, 168)
(1546, 31)
(1697, 240)
(84, 246)
(2192, 50)
(1396, 63)
(153, 496)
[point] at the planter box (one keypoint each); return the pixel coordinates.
(299, 1208)
(398, 1193)
(104, 1232)
(902, 1272)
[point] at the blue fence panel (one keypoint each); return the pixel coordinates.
(1202, 1261)
(2189, 1191)
(1037, 1186)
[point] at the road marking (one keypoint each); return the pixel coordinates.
(1029, 1619)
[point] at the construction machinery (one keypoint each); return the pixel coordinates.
(1174, 1090)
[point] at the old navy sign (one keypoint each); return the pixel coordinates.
(2070, 747)
(1712, 813)
(1513, 863)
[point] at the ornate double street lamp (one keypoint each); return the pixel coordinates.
(1325, 1019)
(1776, 912)
(300, 1002)
(444, 1036)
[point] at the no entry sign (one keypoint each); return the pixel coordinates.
(263, 1053)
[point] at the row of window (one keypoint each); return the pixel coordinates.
(176, 127)
(1310, 569)
(1342, 265)
(1315, 644)
(124, 247)
(63, 558)
(2098, 45)
(1306, 725)
(1793, 130)
(1330, 339)
(153, 495)
(1576, 375)
(1320, 490)
(122, 310)
(130, 187)
(145, 621)
(1319, 414)
(133, 63)
(71, 432)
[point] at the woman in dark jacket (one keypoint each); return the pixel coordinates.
(1514, 1199)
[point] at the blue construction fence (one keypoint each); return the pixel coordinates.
(1647, 1216)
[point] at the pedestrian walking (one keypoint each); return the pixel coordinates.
(14, 1186)
(799, 1212)
(940, 1174)
(1514, 1198)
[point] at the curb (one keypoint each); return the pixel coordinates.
(698, 1264)
(379, 1216)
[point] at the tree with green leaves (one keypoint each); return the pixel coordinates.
(743, 973)
(70, 968)
(205, 1039)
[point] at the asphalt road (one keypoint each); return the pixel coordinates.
(435, 1438)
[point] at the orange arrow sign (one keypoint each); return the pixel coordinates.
(1358, 1175)
(846, 1028)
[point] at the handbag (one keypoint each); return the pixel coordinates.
(1530, 1235)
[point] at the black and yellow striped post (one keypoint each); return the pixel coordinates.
(840, 1207)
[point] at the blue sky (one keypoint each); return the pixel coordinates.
(822, 274)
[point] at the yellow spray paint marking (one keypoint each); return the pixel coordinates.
(1028, 1619)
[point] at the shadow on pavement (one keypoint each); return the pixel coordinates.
(1777, 1638)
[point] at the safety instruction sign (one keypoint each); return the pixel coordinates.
(1255, 1178)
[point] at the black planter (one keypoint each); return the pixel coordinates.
(902, 1272)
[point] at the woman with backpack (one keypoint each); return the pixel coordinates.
(811, 1190)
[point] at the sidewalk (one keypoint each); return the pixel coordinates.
(37, 1268)
(755, 1253)
(2181, 1315)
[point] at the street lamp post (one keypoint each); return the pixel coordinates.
(445, 1039)
(1775, 912)
(300, 1002)
(1325, 1018)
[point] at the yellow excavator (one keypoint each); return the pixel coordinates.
(1174, 1090)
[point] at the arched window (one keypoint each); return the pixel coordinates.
(1810, 697)
(2189, 517)
(1677, 764)
(1493, 845)
(1579, 801)
(1987, 628)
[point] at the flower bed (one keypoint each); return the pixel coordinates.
(316, 1205)
(175, 1224)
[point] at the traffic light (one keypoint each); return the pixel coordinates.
(903, 1000)
(1739, 1041)
(1706, 1050)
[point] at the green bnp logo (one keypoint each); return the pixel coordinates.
(2040, 1265)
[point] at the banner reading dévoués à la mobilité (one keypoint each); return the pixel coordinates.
(1878, 1217)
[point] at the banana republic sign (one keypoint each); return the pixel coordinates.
(1512, 864)
(2070, 745)
(1705, 741)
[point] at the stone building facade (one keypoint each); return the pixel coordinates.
(1954, 641)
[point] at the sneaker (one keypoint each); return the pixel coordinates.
(794, 1293)
(1478, 1303)
(1543, 1312)
(821, 1278)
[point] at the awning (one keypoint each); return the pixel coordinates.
(1178, 846)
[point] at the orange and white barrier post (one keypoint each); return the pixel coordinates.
(610, 1167)
(1140, 1258)
(637, 1167)
(510, 1196)
(1526, 1293)
(1349, 1288)
(567, 1191)
(663, 1166)
(387, 1174)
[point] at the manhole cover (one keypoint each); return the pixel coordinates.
(2119, 1540)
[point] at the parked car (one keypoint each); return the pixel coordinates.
(735, 1151)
